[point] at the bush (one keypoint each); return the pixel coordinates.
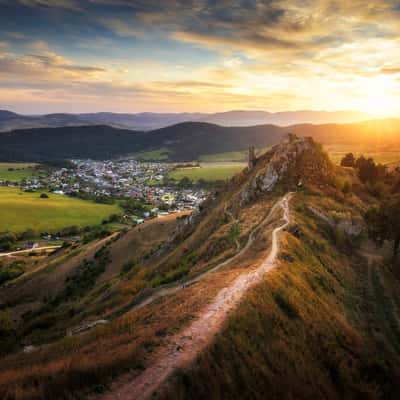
(7, 325)
(128, 266)
(28, 234)
(10, 272)
(285, 305)
(7, 240)
(234, 232)
(174, 274)
(44, 196)
(347, 187)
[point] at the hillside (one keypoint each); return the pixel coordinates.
(184, 142)
(266, 289)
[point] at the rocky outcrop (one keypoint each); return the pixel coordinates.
(350, 225)
(295, 159)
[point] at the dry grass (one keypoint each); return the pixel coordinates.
(79, 364)
(300, 334)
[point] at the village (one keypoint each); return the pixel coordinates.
(117, 179)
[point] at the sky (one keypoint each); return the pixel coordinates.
(199, 55)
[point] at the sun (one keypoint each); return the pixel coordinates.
(379, 99)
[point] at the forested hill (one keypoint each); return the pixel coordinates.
(182, 142)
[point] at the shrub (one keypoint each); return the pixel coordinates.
(285, 305)
(7, 325)
(346, 187)
(234, 232)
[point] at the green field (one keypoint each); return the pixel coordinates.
(18, 172)
(20, 210)
(208, 173)
(161, 154)
(235, 156)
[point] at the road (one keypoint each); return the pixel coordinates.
(183, 348)
(15, 253)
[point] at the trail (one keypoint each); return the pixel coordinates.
(175, 288)
(183, 348)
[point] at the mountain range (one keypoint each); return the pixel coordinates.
(148, 121)
(186, 141)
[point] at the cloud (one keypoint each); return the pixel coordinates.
(120, 27)
(46, 65)
(145, 53)
(390, 70)
(62, 4)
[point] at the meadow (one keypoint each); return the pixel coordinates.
(235, 156)
(22, 210)
(208, 172)
(389, 157)
(16, 172)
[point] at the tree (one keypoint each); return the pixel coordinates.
(365, 168)
(7, 240)
(384, 223)
(185, 182)
(348, 160)
(346, 187)
(28, 234)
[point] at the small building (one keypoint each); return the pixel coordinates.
(31, 245)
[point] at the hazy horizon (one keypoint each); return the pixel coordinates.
(16, 111)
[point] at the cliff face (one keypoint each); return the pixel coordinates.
(295, 161)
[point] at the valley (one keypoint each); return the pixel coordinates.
(199, 200)
(249, 287)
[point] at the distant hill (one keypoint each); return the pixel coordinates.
(148, 121)
(182, 142)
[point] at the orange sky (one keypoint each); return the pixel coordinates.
(199, 55)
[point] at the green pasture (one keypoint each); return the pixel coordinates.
(16, 172)
(207, 173)
(20, 211)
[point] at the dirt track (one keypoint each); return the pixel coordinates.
(183, 348)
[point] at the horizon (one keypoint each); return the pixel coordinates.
(198, 112)
(70, 56)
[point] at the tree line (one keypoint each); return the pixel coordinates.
(383, 218)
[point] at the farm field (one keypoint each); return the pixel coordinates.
(160, 155)
(235, 156)
(210, 172)
(21, 210)
(383, 156)
(18, 171)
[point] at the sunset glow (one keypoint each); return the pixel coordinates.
(130, 56)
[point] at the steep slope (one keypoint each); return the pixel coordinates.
(209, 311)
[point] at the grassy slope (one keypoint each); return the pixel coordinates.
(304, 332)
(307, 325)
(21, 210)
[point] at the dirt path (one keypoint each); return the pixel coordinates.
(181, 285)
(183, 348)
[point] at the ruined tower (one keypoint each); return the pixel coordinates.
(252, 157)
